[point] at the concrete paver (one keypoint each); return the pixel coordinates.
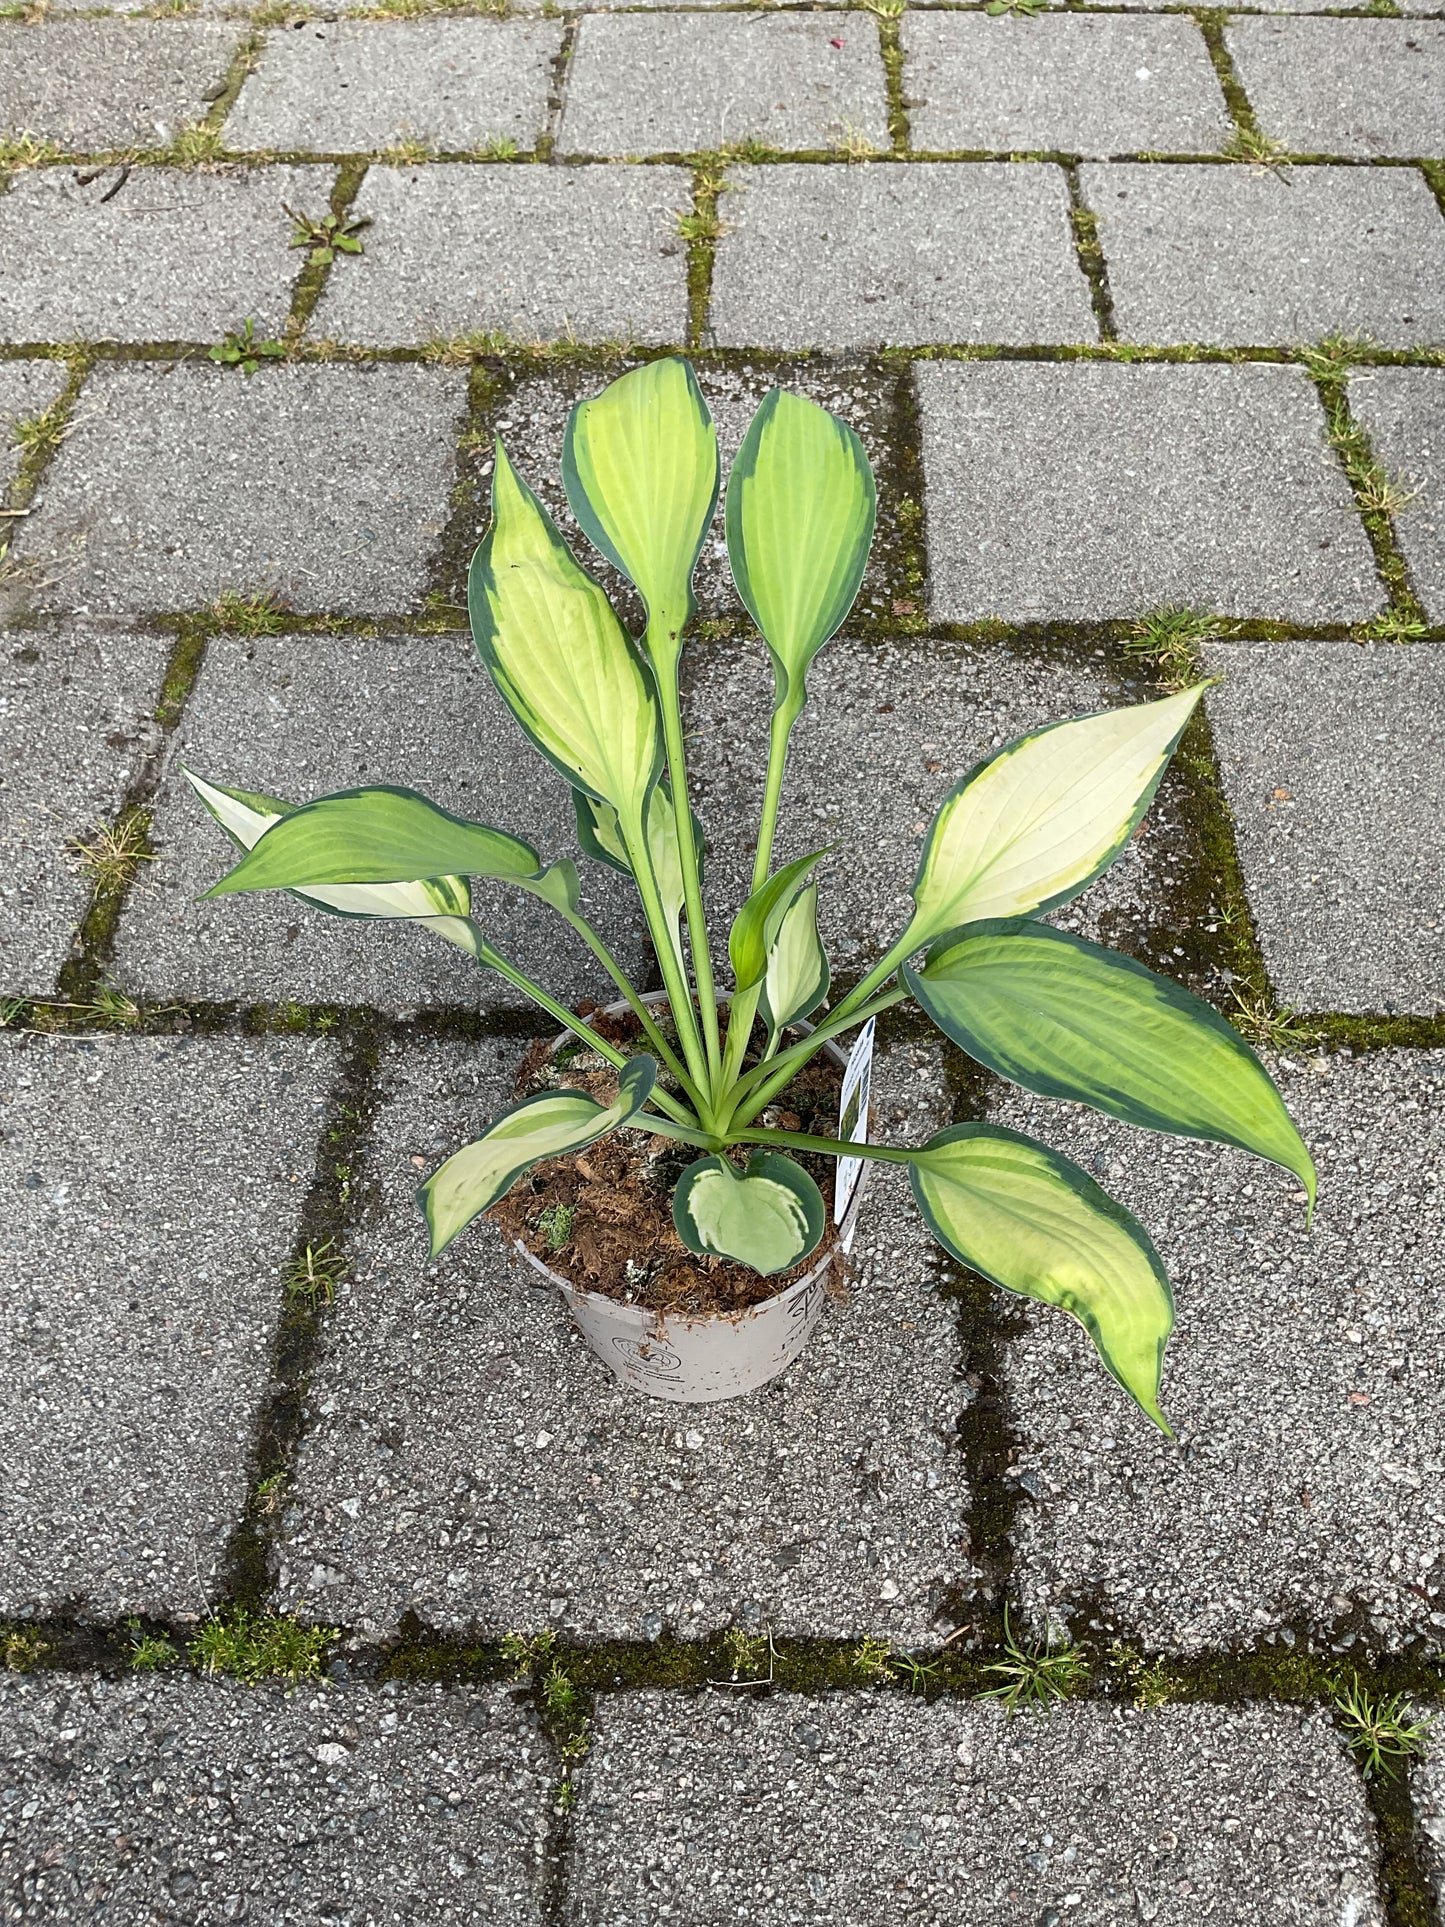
(154, 1187)
(1403, 412)
(1330, 757)
(1305, 1382)
(355, 86)
(75, 728)
(28, 389)
(182, 482)
(1254, 257)
(654, 83)
(94, 85)
(192, 1800)
(892, 253)
(157, 255)
(857, 1809)
(1073, 83)
(1345, 86)
(1428, 1794)
(1094, 489)
(463, 1459)
(531, 252)
(302, 716)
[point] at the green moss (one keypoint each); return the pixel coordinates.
(252, 1646)
(22, 1648)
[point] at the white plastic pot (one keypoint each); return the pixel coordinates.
(695, 1360)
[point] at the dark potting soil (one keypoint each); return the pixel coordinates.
(602, 1218)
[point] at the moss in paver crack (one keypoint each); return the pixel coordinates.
(251, 1646)
(317, 269)
(1085, 228)
(318, 1264)
(38, 437)
(1211, 22)
(701, 228)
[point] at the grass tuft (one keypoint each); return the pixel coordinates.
(527, 1653)
(1035, 1676)
(252, 1646)
(1170, 639)
(27, 150)
(1275, 1027)
(1255, 149)
(22, 1648)
(1378, 1728)
(312, 1280)
(854, 145)
(114, 851)
(1147, 1682)
(253, 615)
(747, 1653)
(148, 1652)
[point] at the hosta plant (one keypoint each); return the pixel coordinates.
(1026, 830)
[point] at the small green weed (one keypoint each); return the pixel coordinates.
(248, 615)
(1146, 1681)
(313, 1278)
(1170, 638)
(748, 1654)
(559, 1692)
(239, 348)
(555, 1225)
(111, 1007)
(253, 1646)
(12, 1011)
(700, 224)
(40, 435)
(1035, 1675)
(113, 851)
(1249, 145)
(526, 1654)
(1276, 1027)
(408, 153)
(885, 9)
(750, 150)
(499, 147)
(196, 143)
(1391, 625)
(22, 1648)
(1025, 9)
(920, 1673)
(854, 145)
(1378, 1729)
(27, 150)
(326, 237)
(148, 1652)
(873, 1661)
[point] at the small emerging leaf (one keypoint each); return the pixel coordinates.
(769, 1216)
(1037, 1224)
(756, 925)
(797, 976)
(547, 1125)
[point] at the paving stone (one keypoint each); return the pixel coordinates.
(889, 729)
(1345, 86)
(1072, 83)
(157, 255)
(1403, 411)
(75, 728)
(593, 251)
(200, 1800)
(678, 84)
(153, 1190)
(302, 716)
(27, 389)
(471, 1461)
(348, 86)
(530, 414)
(1094, 489)
(856, 1809)
(183, 481)
(1255, 257)
(1331, 757)
(99, 84)
(1305, 1382)
(878, 256)
(1427, 1791)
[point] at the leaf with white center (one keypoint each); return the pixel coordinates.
(442, 903)
(755, 927)
(600, 835)
(557, 652)
(1068, 1019)
(547, 1125)
(801, 505)
(797, 976)
(1032, 825)
(640, 467)
(1037, 1224)
(769, 1216)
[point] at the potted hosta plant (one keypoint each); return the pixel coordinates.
(705, 1078)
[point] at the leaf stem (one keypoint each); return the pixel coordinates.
(671, 705)
(779, 730)
(679, 996)
(639, 1009)
(832, 1147)
(763, 1082)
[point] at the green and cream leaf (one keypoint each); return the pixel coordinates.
(755, 927)
(797, 977)
(770, 1216)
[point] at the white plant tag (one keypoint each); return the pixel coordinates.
(853, 1123)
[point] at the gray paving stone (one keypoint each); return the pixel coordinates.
(1256, 257)
(1305, 1381)
(153, 1189)
(471, 1461)
(530, 414)
(1331, 758)
(95, 85)
(1403, 411)
(1091, 489)
(674, 84)
(200, 1800)
(301, 716)
(889, 254)
(75, 728)
(1345, 86)
(856, 1809)
(349, 86)
(162, 255)
(593, 251)
(183, 481)
(896, 724)
(1428, 1793)
(27, 389)
(1072, 83)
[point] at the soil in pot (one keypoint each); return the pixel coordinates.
(602, 1218)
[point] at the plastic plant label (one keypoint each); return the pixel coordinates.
(853, 1123)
